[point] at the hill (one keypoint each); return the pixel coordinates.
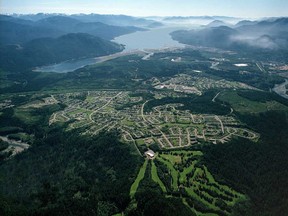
(214, 37)
(49, 50)
(12, 32)
(217, 23)
(268, 35)
(245, 22)
(18, 31)
(115, 20)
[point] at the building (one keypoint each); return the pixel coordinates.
(150, 154)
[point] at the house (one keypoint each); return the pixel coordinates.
(150, 154)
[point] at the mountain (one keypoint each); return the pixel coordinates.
(44, 51)
(105, 31)
(62, 23)
(71, 25)
(245, 23)
(155, 25)
(116, 20)
(267, 34)
(18, 31)
(270, 27)
(15, 20)
(36, 17)
(214, 37)
(199, 20)
(217, 23)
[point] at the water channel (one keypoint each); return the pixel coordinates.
(157, 38)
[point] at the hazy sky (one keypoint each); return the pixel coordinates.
(238, 8)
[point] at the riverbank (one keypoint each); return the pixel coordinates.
(281, 90)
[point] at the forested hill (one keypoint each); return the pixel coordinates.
(66, 174)
(18, 31)
(44, 51)
(265, 35)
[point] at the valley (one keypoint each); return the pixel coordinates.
(121, 115)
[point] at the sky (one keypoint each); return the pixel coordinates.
(235, 8)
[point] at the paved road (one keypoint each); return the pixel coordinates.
(142, 111)
(221, 123)
(213, 100)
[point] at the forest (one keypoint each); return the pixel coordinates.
(64, 174)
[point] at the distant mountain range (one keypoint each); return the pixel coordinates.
(199, 20)
(32, 40)
(267, 34)
(116, 20)
(17, 31)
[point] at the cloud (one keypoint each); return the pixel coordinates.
(263, 42)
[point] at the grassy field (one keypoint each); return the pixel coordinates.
(140, 142)
(173, 172)
(244, 105)
(26, 115)
(197, 181)
(186, 171)
(156, 178)
(140, 176)
(172, 158)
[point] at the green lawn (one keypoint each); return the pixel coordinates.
(174, 173)
(187, 171)
(156, 178)
(172, 158)
(140, 176)
(244, 105)
(140, 142)
(195, 196)
(196, 178)
(26, 115)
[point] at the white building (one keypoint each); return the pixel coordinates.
(150, 154)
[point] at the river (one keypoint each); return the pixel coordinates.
(280, 89)
(157, 38)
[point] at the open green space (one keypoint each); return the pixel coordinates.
(172, 170)
(172, 158)
(183, 175)
(202, 192)
(139, 177)
(26, 115)
(156, 178)
(244, 105)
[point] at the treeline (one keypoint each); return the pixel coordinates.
(196, 104)
(256, 169)
(9, 123)
(261, 96)
(258, 80)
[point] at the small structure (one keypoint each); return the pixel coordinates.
(150, 154)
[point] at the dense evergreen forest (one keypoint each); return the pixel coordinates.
(66, 174)
(259, 170)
